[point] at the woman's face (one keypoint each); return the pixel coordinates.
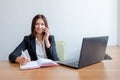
(39, 26)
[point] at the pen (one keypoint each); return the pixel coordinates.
(23, 55)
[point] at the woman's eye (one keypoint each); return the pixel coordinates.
(42, 24)
(37, 24)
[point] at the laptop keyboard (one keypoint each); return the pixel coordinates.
(75, 63)
(71, 62)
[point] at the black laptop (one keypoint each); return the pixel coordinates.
(92, 51)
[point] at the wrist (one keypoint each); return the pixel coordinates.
(17, 59)
(47, 43)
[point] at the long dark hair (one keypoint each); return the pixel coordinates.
(39, 16)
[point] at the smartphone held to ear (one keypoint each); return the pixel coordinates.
(43, 33)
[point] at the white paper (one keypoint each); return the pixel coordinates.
(30, 65)
(38, 63)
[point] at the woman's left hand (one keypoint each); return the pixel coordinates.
(46, 37)
(47, 33)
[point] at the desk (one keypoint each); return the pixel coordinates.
(105, 70)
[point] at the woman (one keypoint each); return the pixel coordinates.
(39, 44)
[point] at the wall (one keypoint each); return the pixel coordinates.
(118, 22)
(69, 21)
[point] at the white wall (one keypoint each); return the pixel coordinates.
(69, 21)
(118, 22)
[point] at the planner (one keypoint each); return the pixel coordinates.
(40, 63)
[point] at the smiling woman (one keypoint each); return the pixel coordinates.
(40, 44)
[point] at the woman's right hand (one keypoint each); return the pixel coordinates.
(22, 60)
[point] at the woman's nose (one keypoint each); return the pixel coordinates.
(40, 25)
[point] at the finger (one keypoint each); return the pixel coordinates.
(23, 60)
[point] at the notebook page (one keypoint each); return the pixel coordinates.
(30, 65)
(46, 62)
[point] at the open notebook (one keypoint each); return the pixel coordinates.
(38, 63)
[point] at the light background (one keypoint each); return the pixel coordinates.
(69, 21)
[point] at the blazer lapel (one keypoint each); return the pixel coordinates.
(33, 48)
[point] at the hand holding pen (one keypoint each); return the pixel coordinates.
(22, 59)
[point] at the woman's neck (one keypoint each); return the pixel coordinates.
(39, 37)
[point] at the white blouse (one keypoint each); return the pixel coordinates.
(40, 49)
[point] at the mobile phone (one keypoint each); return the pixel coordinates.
(43, 33)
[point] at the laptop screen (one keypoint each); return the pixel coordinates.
(93, 50)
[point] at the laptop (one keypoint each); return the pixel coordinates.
(92, 51)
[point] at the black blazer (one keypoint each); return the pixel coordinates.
(29, 44)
